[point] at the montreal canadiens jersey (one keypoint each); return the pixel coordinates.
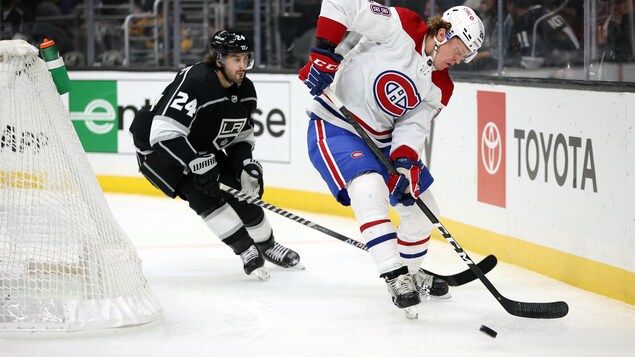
(195, 115)
(387, 80)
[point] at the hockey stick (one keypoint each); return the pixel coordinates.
(486, 265)
(546, 310)
(458, 279)
(253, 200)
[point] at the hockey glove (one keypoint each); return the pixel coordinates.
(205, 174)
(251, 178)
(319, 72)
(411, 179)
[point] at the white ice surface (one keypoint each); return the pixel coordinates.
(336, 307)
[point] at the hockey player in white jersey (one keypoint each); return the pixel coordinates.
(394, 82)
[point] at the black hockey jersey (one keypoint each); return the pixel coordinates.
(555, 40)
(196, 115)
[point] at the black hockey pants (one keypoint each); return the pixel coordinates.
(171, 180)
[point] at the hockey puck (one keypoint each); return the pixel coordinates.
(488, 331)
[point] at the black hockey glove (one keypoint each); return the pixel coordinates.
(205, 174)
(251, 178)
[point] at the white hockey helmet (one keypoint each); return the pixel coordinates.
(467, 26)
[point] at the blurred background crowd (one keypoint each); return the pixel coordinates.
(592, 40)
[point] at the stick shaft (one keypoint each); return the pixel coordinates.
(291, 216)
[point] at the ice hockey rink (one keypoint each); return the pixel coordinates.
(337, 306)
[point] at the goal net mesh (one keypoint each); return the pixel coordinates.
(65, 263)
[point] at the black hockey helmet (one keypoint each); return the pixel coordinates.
(224, 42)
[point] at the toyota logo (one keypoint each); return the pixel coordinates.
(491, 148)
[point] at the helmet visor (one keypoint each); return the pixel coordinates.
(248, 61)
(470, 57)
(463, 50)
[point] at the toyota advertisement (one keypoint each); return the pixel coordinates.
(492, 166)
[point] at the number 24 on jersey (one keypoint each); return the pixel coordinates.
(180, 100)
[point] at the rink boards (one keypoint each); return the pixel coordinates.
(541, 177)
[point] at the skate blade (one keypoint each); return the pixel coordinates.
(298, 266)
(411, 312)
(261, 273)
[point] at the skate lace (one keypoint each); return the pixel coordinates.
(250, 254)
(277, 252)
(423, 280)
(401, 285)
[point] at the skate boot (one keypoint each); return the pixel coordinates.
(279, 255)
(428, 285)
(403, 292)
(253, 263)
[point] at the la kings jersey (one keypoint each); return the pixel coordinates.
(555, 39)
(195, 114)
(386, 81)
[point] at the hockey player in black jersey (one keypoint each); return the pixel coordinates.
(539, 37)
(200, 132)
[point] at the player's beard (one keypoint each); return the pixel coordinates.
(235, 77)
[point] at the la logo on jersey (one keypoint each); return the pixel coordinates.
(395, 93)
(229, 129)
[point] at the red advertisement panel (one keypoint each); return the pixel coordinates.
(491, 141)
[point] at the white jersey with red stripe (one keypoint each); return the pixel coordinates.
(387, 80)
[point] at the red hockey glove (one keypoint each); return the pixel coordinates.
(319, 72)
(405, 185)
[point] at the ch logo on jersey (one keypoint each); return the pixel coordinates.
(395, 93)
(229, 129)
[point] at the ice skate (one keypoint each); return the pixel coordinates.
(280, 255)
(403, 292)
(428, 285)
(253, 263)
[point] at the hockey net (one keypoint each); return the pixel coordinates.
(65, 263)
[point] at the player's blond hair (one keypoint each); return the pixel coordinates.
(436, 23)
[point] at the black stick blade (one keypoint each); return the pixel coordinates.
(466, 276)
(536, 310)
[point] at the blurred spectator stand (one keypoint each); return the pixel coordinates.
(617, 34)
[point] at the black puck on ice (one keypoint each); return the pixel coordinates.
(488, 331)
